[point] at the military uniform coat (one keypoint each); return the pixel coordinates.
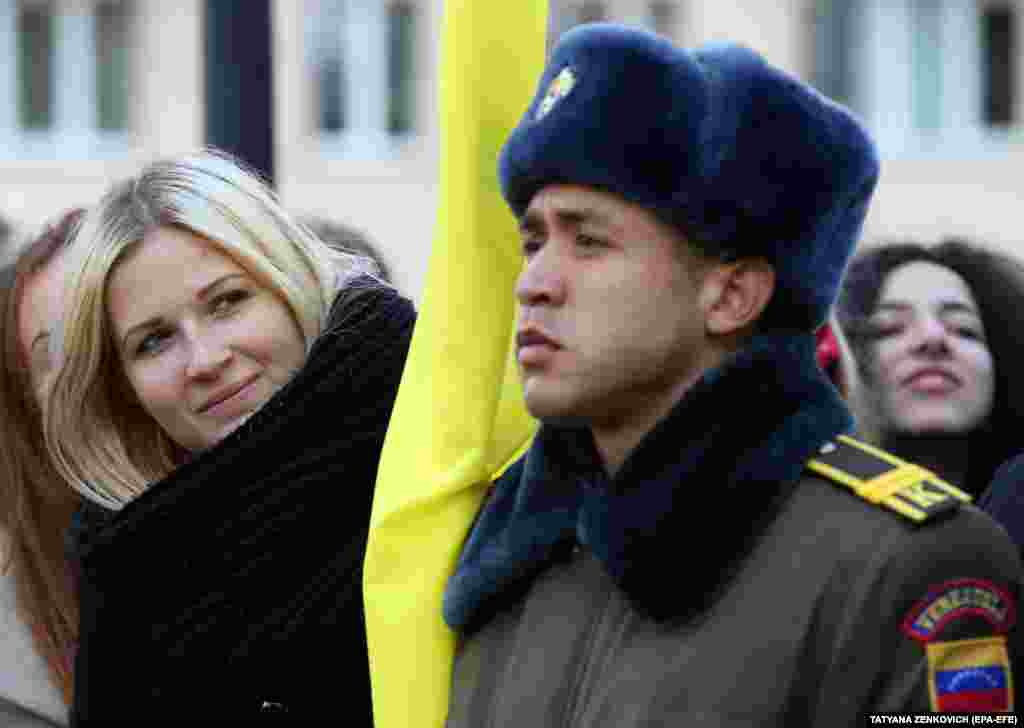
(716, 580)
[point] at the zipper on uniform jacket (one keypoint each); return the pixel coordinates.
(596, 628)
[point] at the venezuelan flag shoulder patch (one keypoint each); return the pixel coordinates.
(970, 676)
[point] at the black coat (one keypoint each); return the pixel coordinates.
(233, 587)
(1004, 499)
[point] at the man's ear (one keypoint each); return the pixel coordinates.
(733, 295)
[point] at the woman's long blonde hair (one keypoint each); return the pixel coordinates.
(37, 506)
(101, 439)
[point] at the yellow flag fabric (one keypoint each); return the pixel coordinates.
(459, 415)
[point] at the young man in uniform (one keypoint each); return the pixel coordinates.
(691, 538)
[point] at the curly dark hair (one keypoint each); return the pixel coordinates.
(996, 282)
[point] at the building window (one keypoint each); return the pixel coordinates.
(401, 56)
(64, 88)
(926, 44)
(329, 69)
(35, 64)
(928, 76)
(112, 61)
(833, 26)
(331, 83)
(999, 57)
(362, 57)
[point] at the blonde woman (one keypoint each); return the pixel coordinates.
(226, 386)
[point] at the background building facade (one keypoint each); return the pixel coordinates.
(89, 89)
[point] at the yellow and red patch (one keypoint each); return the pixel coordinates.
(970, 676)
(962, 625)
(956, 600)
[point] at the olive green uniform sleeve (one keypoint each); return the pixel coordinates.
(928, 625)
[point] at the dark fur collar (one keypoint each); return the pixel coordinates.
(700, 486)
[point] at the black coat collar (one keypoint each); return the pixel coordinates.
(726, 456)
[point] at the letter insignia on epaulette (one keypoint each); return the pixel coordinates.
(882, 478)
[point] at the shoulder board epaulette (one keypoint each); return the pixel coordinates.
(881, 478)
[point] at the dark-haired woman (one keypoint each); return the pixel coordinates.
(934, 336)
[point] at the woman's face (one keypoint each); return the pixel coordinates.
(38, 312)
(933, 372)
(202, 344)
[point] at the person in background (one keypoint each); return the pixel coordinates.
(828, 354)
(6, 235)
(40, 605)
(226, 383)
(1004, 499)
(933, 371)
(692, 538)
(349, 240)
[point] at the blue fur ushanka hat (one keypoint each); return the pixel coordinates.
(735, 152)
